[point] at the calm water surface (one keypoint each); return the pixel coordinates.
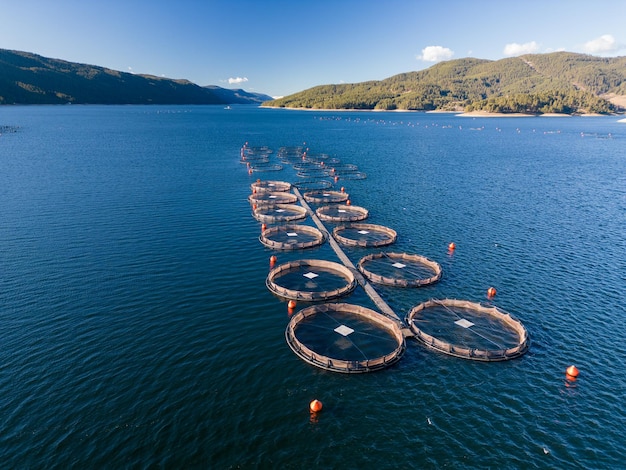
(137, 330)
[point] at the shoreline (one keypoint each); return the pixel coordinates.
(474, 114)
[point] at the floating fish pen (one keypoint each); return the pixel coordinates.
(268, 185)
(307, 165)
(325, 197)
(342, 213)
(364, 235)
(291, 237)
(400, 269)
(269, 197)
(311, 280)
(276, 213)
(266, 166)
(345, 338)
(469, 330)
(317, 157)
(313, 185)
(260, 150)
(261, 158)
(313, 173)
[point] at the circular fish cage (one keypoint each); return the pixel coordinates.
(311, 280)
(345, 338)
(325, 197)
(267, 185)
(468, 330)
(317, 157)
(261, 158)
(269, 197)
(265, 166)
(313, 173)
(260, 150)
(275, 213)
(364, 235)
(342, 213)
(400, 269)
(304, 165)
(291, 237)
(312, 185)
(357, 175)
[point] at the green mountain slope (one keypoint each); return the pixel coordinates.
(534, 83)
(27, 78)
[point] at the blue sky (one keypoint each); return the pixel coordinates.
(281, 47)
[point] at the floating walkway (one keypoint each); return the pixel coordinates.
(369, 290)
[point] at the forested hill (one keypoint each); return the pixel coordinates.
(27, 78)
(559, 82)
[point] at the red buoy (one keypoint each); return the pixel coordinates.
(315, 406)
(491, 292)
(348, 202)
(291, 305)
(572, 371)
(452, 246)
(263, 227)
(272, 260)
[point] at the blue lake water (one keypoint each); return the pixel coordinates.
(137, 330)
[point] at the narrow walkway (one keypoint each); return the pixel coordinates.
(369, 290)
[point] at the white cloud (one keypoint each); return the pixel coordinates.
(605, 43)
(237, 80)
(435, 54)
(515, 49)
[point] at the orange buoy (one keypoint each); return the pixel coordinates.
(263, 226)
(291, 305)
(315, 406)
(253, 206)
(491, 292)
(272, 259)
(572, 371)
(250, 171)
(348, 202)
(343, 190)
(452, 246)
(336, 178)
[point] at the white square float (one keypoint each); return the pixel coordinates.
(310, 275)
(464, 323)
(344, 330)
(363, 232)
(341, 210)
(273, 197)
(280, 210)
(399, 265)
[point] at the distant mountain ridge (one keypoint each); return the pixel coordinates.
(559, 82)
(27, 78)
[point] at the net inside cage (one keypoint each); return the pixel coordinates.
(345, 338)
(468, 329)
(364, 235)
(400, 269)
